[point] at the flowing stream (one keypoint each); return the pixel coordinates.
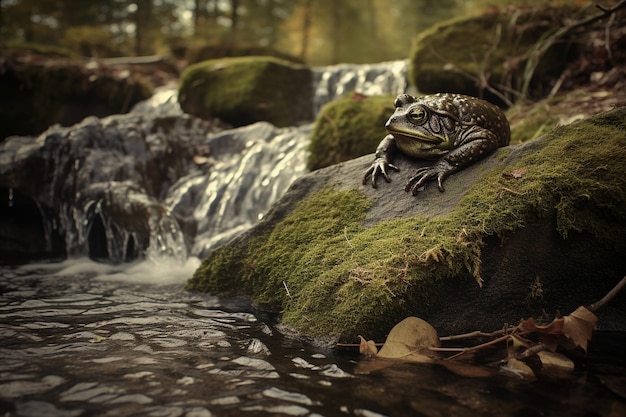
(85, 338)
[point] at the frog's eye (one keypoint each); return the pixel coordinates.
(417, 115)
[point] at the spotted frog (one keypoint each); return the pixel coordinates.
(456, 130)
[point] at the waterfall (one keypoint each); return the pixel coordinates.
(159, 183)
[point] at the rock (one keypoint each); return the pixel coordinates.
(347, 128)
(533, 228)
(460, 55)
(244, 90)
(204, 52)
(37, 93)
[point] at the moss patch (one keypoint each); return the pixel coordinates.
(347, 128)
(244, 90)
(345, 279)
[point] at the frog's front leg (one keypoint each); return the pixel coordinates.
(452, 162)
(383, 161)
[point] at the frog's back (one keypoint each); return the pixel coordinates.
(472, 110)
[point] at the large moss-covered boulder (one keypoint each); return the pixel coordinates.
(347, 128)
(535, 228)
(493, 52)
(243, 90)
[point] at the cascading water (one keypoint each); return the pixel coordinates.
(158, 183)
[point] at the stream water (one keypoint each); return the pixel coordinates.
(85, 338)
(80, 338)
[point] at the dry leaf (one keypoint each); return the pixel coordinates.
(551, 360)
(516, 173)
(367, 348)
(409, 340)
(519, 368)
(578, 326)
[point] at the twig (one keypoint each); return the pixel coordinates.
(345, 234)
(481, 346)
(608, 297)
(533, 60)
(533, 350)
(355, 344)
(478, 333)
(286, 289)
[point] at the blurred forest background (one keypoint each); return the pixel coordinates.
(316, 32)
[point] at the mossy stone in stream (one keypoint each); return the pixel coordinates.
(347, 276)
(347, 128)
(244, 90)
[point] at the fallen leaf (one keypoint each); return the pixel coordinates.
(552, 360)
(516, 367)
(516, 173)
(367, 347)
(578, 326)
(409, 340)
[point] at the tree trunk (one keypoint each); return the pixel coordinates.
(143, 27)
(234, 20)
(306, 30)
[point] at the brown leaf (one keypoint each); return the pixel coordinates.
(516, 173)
(410, 340)
(579, 326)
(367, 348)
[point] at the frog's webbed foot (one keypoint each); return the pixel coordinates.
(440, 170)
(379, 166)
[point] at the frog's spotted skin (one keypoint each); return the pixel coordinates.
(455, 128)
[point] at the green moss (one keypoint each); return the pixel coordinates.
(460, 55)
(347, 128)
(530, 123)
(244, 90)
(345, 279)
(202, 52)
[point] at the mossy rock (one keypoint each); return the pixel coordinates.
(245, 90)
(205, 52)
(36, 95)
(454, 55)
(347, 128)
(535, 228)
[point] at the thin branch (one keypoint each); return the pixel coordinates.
(608, 297)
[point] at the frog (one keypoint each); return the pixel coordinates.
(455, 130)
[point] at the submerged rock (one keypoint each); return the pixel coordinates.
(534, 228)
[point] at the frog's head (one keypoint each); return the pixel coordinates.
(419, 129)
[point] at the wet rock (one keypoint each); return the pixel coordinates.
(533, 228)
